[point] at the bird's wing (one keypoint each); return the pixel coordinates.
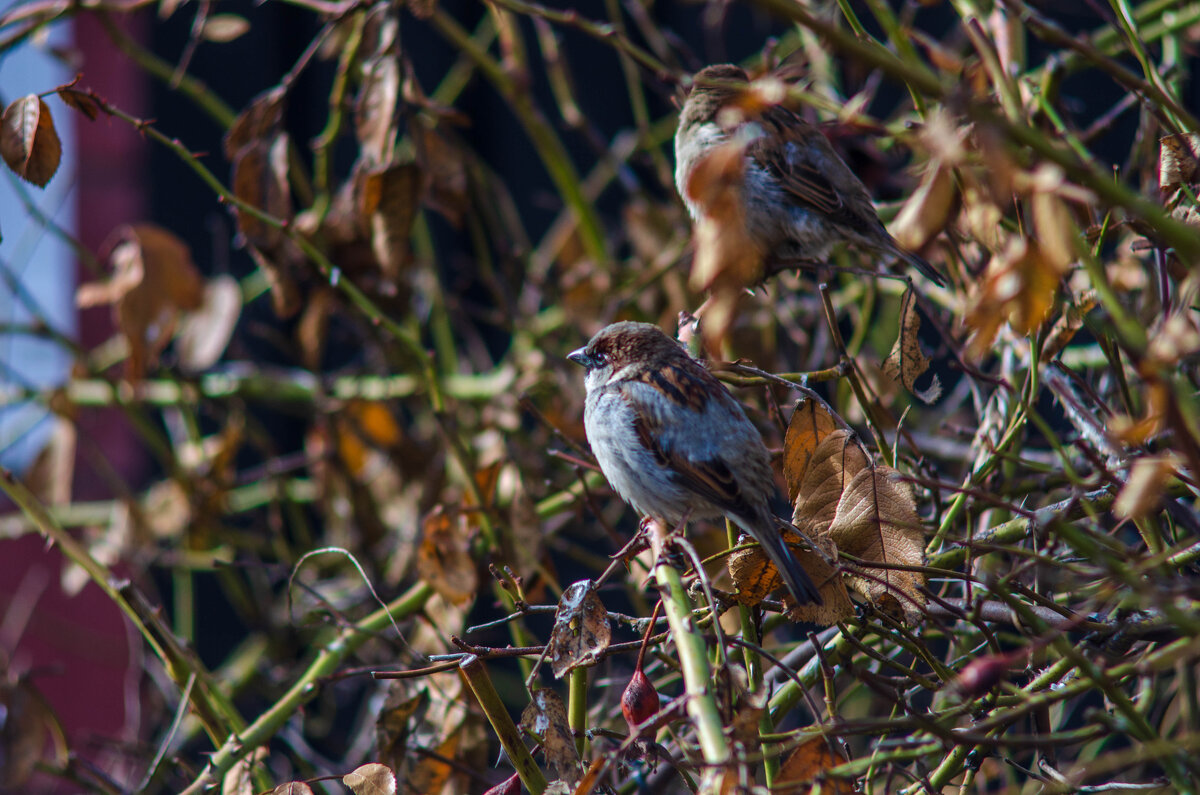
(704, 472)
(781, 151)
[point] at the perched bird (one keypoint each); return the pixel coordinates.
(675, 444)
(797, 196)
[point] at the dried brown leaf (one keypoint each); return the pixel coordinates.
(421, 9)
(205, 333)
(809, 763)
(754, 577)
(260, 179)
(812, 420)
(313, 325)
(364, 425)
(546, 718)
(389, 202)
(838, 459)
(1173, 339)
(86, 102)
(1178, 160)
(581, 629)
(378, 103)
(443, 165)
(28, 141)
(153, 279)
(261, 120)
(907, 362)
(371, 779)
(404, 707)
(444, 557)
(877, 522)
(285, 295)
(835, 599)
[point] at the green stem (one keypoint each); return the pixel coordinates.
(701, 705)
(474, 671)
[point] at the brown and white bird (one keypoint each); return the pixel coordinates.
(798, 198)
(675, 444)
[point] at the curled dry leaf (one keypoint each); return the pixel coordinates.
(285, 295)
(260, 179)
(1178, 160)
(754, 576)
(371, 779)
(86, 102)
(809, 763)
(1143, 491)
(877, 522)
(444, 167)
(261, 119)
(1172, 339)
(727, 258)
(378, 102)
(28, 141)
(153, 279)
(907, 362)
(546, 719)
(581, 628)
(205, 333)
(388, 205)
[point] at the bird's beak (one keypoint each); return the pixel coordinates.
(579, 357)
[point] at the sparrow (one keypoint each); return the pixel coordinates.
(674, 444)
(798, 197)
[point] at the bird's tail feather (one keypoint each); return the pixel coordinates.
(923, 267)
(794, 576)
